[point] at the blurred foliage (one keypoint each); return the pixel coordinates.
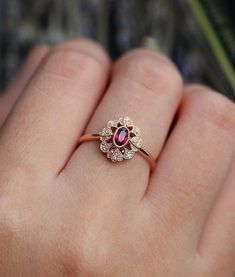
(197, 34)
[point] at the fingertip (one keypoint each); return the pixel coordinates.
(196, 87)
(39, 48)
(88, 47)
(32, 61)
(147, 54)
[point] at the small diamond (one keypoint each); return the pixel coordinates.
(128, 122)
(128, 154)
(102, 138)
(136, 131)
(119, 158)
(112, 123)
(121, 120)
(136, 143)
(106, 132)
(104, 146)
(115, 155)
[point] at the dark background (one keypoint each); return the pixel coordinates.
(197, 34)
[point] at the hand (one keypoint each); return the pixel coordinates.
(66, 212)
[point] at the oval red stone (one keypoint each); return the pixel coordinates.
(121, 136)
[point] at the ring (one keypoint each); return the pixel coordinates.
(120, 140)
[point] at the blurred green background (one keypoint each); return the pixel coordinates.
(197, 34)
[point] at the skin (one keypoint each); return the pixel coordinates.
(66, 212)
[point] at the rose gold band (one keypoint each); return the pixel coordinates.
(92, 137)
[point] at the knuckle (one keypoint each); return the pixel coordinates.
(184, 199)
(83, 257)
(10, 205)
(214, 266)
(213, 107)
(13, 211)
(70, 63)
(150, 70)
(10, 222)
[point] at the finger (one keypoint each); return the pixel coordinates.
(218, 239)
(54, 109)
(194, 162)
(8, 99)
(147, 87)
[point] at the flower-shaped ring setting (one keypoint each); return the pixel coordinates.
(120, 140)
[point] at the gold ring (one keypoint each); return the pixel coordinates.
(120, 140)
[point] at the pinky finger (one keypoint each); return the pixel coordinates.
(9, 97)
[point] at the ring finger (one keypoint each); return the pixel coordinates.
(147, 87)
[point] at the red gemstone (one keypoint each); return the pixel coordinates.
(121, 136)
